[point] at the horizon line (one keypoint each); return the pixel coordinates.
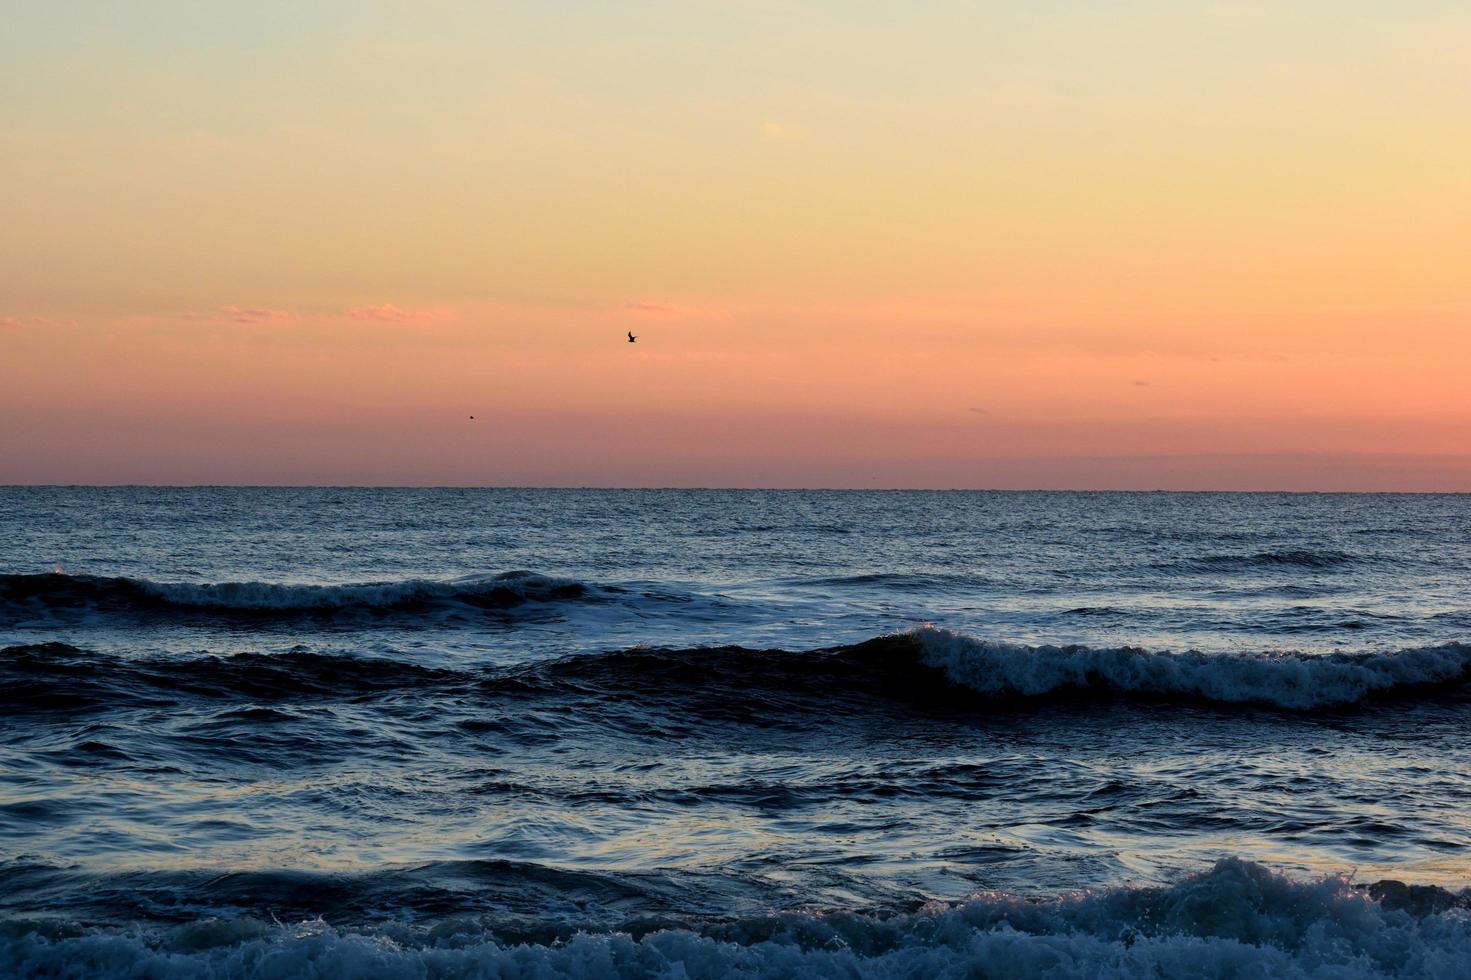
(720, 489)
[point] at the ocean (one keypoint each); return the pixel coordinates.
(250, 732)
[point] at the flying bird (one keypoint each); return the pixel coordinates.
(631, 337)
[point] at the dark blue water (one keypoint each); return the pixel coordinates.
(253, 732)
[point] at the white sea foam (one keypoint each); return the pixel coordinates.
(1238, 920)
(1287, 679)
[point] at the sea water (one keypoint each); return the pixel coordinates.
(360, 732)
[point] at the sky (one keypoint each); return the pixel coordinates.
(1113, 244)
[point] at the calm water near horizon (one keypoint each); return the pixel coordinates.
(795, 733)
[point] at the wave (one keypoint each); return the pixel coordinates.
(538, 902)
(920, 583)
(1237, 919)
(928, 667)
(57, 677)
(25, 596)
(1320, 560)
(935, 665)
(1287, 679)
(724, 682)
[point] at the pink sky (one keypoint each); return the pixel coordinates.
(975, 245)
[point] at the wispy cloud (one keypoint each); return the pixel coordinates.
(384, 313)
(1269, 356)
(18, 322)
(649, 308)
(389, 313)
(784, 132)
(257, 314)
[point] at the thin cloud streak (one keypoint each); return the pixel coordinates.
(384, 313)
(388, 313)
(649, 308)
(20, 322)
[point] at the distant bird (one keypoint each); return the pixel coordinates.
(631, 338)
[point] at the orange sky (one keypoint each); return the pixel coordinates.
(1205, 245)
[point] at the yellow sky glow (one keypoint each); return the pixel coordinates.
(1056, 244)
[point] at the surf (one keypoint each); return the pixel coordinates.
(925, 666)
(1236, 919)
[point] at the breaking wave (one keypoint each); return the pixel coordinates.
(1282, 679)
(926, 666)
(1236, 920)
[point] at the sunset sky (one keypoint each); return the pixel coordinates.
(1051, 243)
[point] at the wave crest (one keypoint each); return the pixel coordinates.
(1282, 679)
(925, 668)
(1238, 919)
(1290, 558)
(22, 595)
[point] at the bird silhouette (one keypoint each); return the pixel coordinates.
(631, 338)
